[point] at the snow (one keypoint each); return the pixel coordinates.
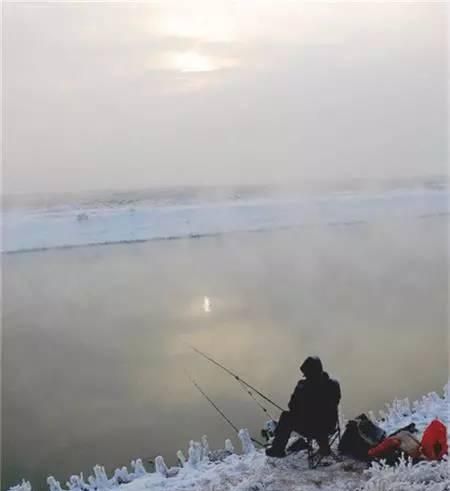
(246, 442)
(224, 470)
(430, 476)
(41, 229)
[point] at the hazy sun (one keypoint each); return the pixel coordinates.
(191, 61)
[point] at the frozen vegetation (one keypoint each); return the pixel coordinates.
(203, 469)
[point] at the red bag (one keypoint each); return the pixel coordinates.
(385, 447)
(434, 441)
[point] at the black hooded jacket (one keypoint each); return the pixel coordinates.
(315, 400)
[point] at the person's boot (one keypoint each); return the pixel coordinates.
(325, 450)
(282, 434)
(324, 447)
(275, 451)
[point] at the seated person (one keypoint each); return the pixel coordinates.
(313, 410)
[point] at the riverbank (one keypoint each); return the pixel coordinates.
(251, 470)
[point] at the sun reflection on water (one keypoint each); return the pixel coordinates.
(206, 305)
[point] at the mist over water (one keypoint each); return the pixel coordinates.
(296, 151)
(96, 340)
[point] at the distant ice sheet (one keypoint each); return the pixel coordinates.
(31, 230)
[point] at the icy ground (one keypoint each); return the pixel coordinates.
(43, 229)
(253, 471)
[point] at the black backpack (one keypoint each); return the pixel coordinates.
(360, 435)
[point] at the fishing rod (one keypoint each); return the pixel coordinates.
(217, 408)
(241, 381)
(213, 404)
(250, 393)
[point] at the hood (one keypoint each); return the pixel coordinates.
(312, 367)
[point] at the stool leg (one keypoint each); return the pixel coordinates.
(310, 453)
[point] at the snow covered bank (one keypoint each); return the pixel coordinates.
(68, 227)
(224, 470)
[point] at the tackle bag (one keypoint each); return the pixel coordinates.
(360, 435)
(393, 447)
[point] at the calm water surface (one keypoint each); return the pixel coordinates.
(96, 340)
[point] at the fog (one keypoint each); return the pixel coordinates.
(223, 97)
(126, 95)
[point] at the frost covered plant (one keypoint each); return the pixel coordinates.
(195, 454)
(250, 472)
(205, 447)
(406, 476)
(229, 446)
(161, 467)
(121, 476)
(421, 412)
(138, 468)
(101, 479)
(246, 442)
(181, 458)
(53, 484)
(447, 391)
(23, 486)
(76, 483)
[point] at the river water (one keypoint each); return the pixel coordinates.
(96, 340)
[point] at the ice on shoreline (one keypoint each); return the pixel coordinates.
(37, 230)
(224, 470)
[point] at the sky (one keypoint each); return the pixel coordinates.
(207, 92)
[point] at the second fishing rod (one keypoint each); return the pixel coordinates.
(217, 408)
(249, 389)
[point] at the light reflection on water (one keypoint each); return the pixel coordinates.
(96, 341)
(206, 305)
